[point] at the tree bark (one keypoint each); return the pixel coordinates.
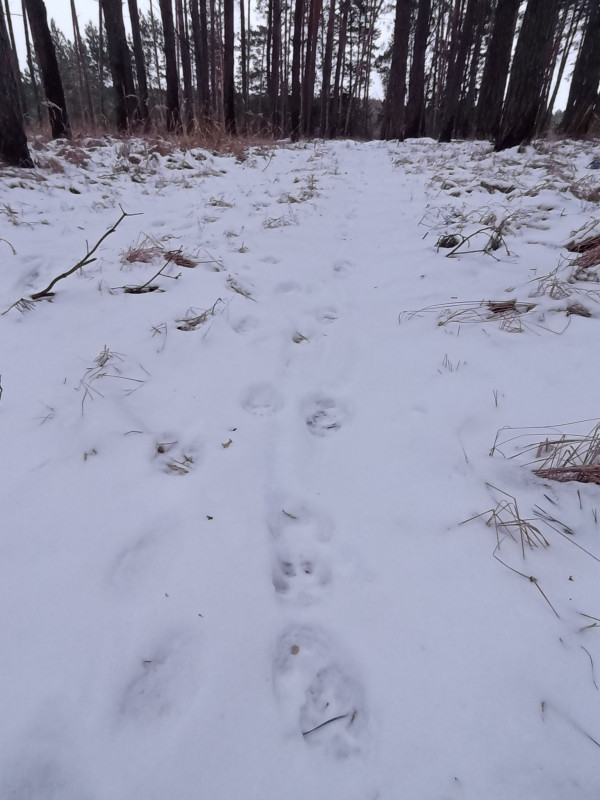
(296, 99)
(583, 93)
(126, 108)
(172, 99)
(456, 70)
(186, 67)
(140, 63)
(45, 53)
(415, 108)
(200, 37)
(327, 68)
(243, 56)
(392, 126)
(275, 67)
(495, 71)
(310, 66)
(228, 67)
(527, 74)
(13, 142)
(30, 64)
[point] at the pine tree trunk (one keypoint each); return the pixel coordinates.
(567, 46)
(200, 37)
(495, 71)
(456, 70)
(172, 99)
(415, 108)
(296, 100)
(45, 53)
(101, 58)
(13, 142)
(126, 109)
(30, 64)
(527, 74)
(16, 67)
(186, 67)
(229, 67)
(84, 84)
(337, 83)
(140, 63)
(327, 68)
(243, 56)
(310, 66)
(583, 93)
(153, 27)
(275, 67)
(392, 126)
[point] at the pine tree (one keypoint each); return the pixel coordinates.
(583, 93)
(13, 142)
(392, 126)
(46, 58)
(533, 50)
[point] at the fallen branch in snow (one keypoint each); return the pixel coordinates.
(14, 252)
(25, 304)
(87, 259)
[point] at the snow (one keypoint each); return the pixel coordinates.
(232, 558)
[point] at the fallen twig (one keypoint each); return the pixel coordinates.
(87, 259)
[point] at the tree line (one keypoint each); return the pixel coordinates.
(455, 68)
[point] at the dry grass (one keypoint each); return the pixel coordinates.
(569, 452)
(150, 249)
(194, 320)
(508, 313)
(506, 520)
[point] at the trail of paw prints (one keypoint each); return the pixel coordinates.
(324, 415)
(302, 562)
(321, 698)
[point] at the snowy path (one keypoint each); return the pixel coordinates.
(247, 578)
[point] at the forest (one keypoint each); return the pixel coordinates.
(487, 69)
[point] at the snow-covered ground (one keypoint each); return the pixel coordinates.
(232, 564)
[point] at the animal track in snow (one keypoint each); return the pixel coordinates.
(326, 315)
(159, 683)
(320, 698)
(287, 287)
(302, 564)
(342, 268)
(324, 415)
(262, 399)
(245, 324)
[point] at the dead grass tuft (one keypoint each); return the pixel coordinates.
(150, 249)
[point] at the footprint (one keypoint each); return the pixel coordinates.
(158, 684)
(302, 563)
(245, 324)
(326, 315)
(262, 399)
(324, 415)
(321, 699)
(287, 287)
(343, 268)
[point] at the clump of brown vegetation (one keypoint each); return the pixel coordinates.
(150, 249)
